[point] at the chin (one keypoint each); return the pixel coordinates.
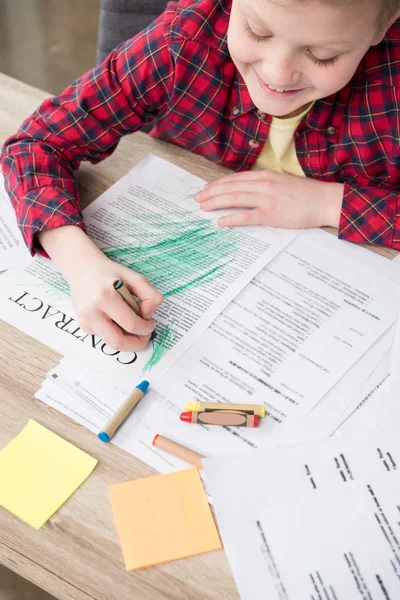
(278, 108)
(275, 108)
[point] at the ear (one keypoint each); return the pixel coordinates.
(379, 37)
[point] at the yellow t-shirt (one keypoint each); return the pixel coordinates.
(279, 152)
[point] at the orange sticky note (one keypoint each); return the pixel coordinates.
(163, 518)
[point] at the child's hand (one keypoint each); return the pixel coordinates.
(98, 306)
(102, 311)
(274, 199)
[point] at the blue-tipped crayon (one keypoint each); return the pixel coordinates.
(123, 412)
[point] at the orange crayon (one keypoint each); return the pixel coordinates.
(220, 417)
(189, 456)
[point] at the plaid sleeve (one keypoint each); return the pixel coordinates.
(371, 215)
(85, 122)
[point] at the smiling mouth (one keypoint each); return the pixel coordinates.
(277, 91)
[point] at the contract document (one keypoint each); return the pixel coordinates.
(149, 222)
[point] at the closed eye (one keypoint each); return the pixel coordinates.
(254, 36)
(323, 62)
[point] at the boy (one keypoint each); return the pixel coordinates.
(216, 72)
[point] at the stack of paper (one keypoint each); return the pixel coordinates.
(309, 338)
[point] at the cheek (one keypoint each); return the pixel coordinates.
(242, 50)
(332, 79)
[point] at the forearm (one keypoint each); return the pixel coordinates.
(70, 248)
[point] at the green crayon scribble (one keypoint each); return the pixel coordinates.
(187, 255)
(198, 281)
(161, 343)
(177, 251)
(52, 282)
(55, 289)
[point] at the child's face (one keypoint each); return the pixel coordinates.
(309, 49)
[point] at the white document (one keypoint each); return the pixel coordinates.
(292, 334)
(147, 221)
(392, 405)
(163, 409)
(13, 252)
(50, 394)
(320, 521)
(341, 401)
(367, 416)
(90, 402)
(87, 399)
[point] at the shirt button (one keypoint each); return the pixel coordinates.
(261, 114)
(254, 143)
(235, 110)
(331, 130)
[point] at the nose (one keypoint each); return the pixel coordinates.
(280, 69)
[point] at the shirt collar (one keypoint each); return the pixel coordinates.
(241, 102)
(326, 115)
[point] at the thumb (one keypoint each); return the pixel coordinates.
(139, 286)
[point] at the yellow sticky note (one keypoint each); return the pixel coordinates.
(38, 472)
(163, 518)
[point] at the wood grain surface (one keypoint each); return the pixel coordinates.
(76, 555)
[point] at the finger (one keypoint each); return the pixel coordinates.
(245, 176)
(237, 199)
(247, 217)
(118, 310)
(234, 187)
(87, 329)
(115, 337)
(142, 288)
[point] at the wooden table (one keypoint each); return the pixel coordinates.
(76, 555)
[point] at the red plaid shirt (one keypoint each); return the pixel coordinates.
(179, 69)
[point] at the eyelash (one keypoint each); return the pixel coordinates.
(323, 62)
(317, 61)
(254, 36)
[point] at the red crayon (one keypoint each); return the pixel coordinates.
(221, 417)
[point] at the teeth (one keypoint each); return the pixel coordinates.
(276, 89)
